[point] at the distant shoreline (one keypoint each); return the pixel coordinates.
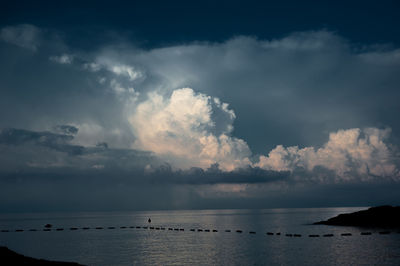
(382, 216)
(13, 257)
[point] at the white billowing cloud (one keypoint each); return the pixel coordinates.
(182, 128)
(64, 59)
(114, 67)
(24, 35)
(125, 70)
(349, 153)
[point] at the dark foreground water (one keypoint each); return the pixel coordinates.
(139, 246)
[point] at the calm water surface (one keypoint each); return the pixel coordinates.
(132, 246)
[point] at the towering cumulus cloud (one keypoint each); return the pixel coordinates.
(350, 154)
(189, 129)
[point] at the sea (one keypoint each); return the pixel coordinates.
(199, 237)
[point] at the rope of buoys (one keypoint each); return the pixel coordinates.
(48, 228)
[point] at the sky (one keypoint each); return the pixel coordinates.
(108, 105)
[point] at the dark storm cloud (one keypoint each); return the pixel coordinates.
(79, 119)
(58, 142)
(135, 167)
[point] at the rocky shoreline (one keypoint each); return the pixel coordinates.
(9, 257)
(382, 216)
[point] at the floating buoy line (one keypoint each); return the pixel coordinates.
(48, 228)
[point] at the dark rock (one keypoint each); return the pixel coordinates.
(13, 258)
(383, 216)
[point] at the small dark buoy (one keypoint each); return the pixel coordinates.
(346, 234)
(131, 227)
(122, 227)
(328, 235)
(170, 229)
(289, 235)
(384, 233)
(278, 234)
(297, 235)
(252, 232)
(207, 230)
(19, 230)
(270, 234)
(99, 228)
(60, 229)
(366, 233)
(48, 226)
(176, 229)
(73, 228)
(157, 228)
(111, 227)
(144, 227)
(47, 229)
(313, 235)
(5, 231)
(199, 230)
(181, 229)
(192, 230)
(151, 227)
(228, 231)
(239, 231)
(215, 231)
(149, 220)
(137, 227)
(86, 228)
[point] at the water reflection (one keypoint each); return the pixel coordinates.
(130, 245)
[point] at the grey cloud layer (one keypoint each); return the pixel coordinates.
(34, 153)
(309, 107)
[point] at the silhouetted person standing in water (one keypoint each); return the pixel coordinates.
(149, 220)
